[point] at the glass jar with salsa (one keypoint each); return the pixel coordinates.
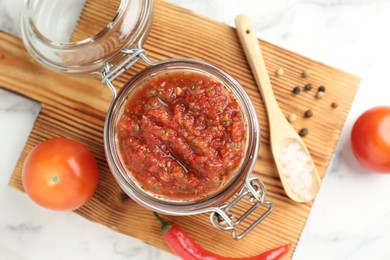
(182, 136)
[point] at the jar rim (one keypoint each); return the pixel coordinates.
(88, 55)
(73, 44)
(220, 196)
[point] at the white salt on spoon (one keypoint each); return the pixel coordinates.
(296, 168)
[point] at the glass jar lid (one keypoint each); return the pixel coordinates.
(81, 36)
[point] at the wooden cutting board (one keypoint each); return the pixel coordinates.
(76, 108)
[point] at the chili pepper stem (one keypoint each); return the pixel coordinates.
(165, 225)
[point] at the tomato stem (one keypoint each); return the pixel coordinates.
(55, 180)
(165, 225)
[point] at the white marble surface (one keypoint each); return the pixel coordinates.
(350, 217)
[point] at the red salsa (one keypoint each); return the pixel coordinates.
(181, 135)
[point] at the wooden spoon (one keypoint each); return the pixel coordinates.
(286, 144)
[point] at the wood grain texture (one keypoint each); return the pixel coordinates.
(75, 108)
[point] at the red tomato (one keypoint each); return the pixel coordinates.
(60, 174)
(370, 139)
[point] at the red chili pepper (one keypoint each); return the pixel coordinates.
(186, 248)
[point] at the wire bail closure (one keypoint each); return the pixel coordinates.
(110, 73)
(223, 220)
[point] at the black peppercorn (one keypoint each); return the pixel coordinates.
(321, 88)
(296, 90)
(308, 87)
(308, 113)
(304, 131)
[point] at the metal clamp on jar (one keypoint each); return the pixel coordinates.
(108, 52)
